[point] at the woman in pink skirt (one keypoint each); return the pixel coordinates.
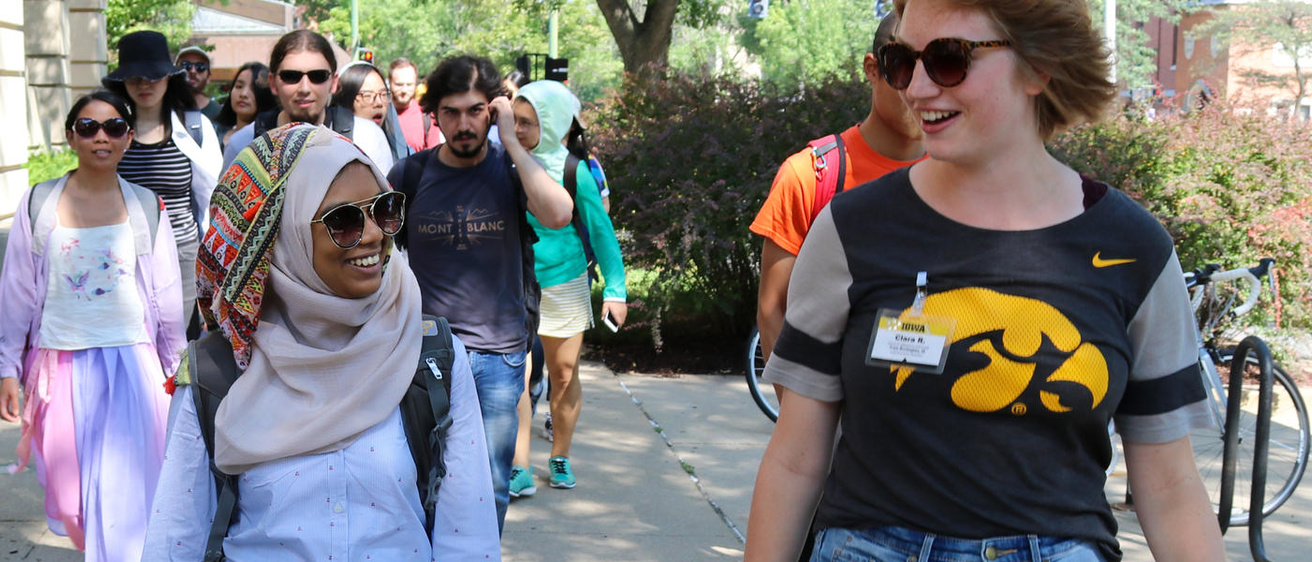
(92, 321)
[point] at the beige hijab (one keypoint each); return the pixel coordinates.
(323, 369)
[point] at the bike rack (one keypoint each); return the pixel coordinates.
(1261, 444)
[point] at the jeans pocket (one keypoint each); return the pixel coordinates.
(515, 360)
(1073, 550)
(845, 545)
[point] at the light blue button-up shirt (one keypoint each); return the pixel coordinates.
(357, 503)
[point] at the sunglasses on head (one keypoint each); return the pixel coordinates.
(294, 76)
(345, 222)
(197, 66)
(946, 61)
(87, 127)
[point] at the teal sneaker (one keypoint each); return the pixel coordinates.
(521, 482)
(561, 475)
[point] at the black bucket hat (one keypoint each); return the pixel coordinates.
(143, 54)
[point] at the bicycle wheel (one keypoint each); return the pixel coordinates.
(1288, 451)
(762, 393)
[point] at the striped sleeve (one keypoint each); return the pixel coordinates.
(807, 357)
(1164, 398)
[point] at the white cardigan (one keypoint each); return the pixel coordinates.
(206, 164)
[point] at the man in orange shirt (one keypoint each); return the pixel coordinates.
(888, 139)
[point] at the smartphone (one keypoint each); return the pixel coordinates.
(609, 322)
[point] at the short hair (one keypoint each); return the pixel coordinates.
(301, 40)
(1054, 38)
(116, 101)
(398, 63)
(884, 33)
(264, 98)
(459, 74)
(351, 80)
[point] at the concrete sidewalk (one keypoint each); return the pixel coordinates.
(665, 469)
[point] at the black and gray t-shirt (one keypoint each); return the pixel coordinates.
(164, 169)
(1057, 330)
(462, 230)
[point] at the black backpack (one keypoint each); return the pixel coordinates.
(425, 415)
(412, 171)
(572, 186)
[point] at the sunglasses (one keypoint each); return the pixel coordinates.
(294, 76)
(946, 61)
(197, 66)
(87, 127)
(345, 222)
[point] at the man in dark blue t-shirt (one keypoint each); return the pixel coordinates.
(463, 239)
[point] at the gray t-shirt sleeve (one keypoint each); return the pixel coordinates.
(1164, 398)
(807, 356)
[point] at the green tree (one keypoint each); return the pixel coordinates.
(170, 17)
(1136, 61)
(1285, 24)
(810, 41)
(644, 44)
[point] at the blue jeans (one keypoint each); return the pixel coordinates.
(499, 378)
(888, 544)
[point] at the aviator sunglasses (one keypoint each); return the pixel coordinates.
(87, 127)
(345, 222)
(946, 61)
(294, 76)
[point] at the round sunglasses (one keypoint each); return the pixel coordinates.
(201, 67)
(345, 222)
(946, 61)
(87, 127)
(294, 76)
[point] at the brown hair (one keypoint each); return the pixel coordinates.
(398, 63)
(1054, 38)
(301, 40)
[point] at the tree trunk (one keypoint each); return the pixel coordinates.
(644, 45)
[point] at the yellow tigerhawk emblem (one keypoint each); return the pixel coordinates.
(1018, 325)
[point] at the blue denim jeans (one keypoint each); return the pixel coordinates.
(889, 544)
(499, 378)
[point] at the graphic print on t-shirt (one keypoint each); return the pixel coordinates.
(1019, 348)
(462, 228)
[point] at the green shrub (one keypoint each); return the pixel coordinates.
(1231, 186)
(42, 166)
(692, 157)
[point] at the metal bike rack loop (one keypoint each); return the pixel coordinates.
(1261, 443)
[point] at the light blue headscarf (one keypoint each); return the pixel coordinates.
(557, 108)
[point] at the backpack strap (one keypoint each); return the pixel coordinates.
(828, 180)
(263, 122)
(412, 170)
(428, 124)
(151, 204)
(213, 370)
(192, 119)
(426, 412)
(527, 237)
(341, 120)
(572, 186)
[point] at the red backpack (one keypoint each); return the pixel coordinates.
(829, 157)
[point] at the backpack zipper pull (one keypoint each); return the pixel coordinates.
(432, 366)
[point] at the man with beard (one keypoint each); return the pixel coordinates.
(416, 124)
(196, 62)
(469, 243)
(303, 75)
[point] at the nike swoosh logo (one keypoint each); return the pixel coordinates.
(1100, 263)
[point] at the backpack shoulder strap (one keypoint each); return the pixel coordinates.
(341, 120)
(428, 124)
(38, 199)
(426, 412)
(572, 186)
(263, 122)
(527, 237)
(412, 171)
(192, 119)
(827, 151)
(151, 204)
(213, 370)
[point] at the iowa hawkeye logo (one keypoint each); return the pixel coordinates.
(1010, 332)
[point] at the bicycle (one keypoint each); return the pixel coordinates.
(1213, 294)
(762, 393)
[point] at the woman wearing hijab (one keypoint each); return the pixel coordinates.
(546, 112)
(326, 328)
(92, 322)
(178, 162)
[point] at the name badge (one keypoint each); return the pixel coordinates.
(904, 339)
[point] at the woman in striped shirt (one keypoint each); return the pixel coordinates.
(175, 154)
